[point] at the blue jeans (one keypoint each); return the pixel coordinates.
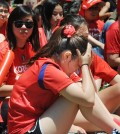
(99, 51)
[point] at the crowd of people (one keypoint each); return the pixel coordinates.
(59, 66)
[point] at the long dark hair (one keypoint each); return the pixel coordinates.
(59, 43)
(17, 14)
(38, 11)
(48, 7)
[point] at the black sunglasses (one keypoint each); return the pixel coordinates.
(20, 23)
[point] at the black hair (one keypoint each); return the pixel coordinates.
(72, 7)
(48, 7)
(17, 14)
(4, 4)
(59, 43)
(75, 20)
(38, 10)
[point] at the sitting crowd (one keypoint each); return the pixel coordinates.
(60, 67)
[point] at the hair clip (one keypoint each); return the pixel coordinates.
(68, 31)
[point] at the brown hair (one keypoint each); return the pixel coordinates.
(59, 43)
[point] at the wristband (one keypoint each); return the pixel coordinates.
(83, 65)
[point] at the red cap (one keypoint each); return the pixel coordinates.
(86, 4)
(118, 7)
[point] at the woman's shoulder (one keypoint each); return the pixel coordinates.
(47, 61)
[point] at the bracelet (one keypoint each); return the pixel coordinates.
(83, 65)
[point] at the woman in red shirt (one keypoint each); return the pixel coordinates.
(100, 71)
(46, 100)
(23, 40)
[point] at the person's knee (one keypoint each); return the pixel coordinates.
(117, 88)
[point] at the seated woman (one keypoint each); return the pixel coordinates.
(46, 100)
(23, 41)
(101, 71)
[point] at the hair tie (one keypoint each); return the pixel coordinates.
(68, 31)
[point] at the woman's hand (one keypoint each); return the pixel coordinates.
(87, 57)
(76, 130)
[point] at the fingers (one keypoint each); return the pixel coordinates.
(78, 52)
(89, 47)
(86, 58)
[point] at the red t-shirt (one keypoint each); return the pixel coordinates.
(95, 28)
(4, 47)
(113, 39)
(100, 69)
(42, 37)
(28, 100)
(19, 64)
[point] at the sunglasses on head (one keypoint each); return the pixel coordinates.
(20, 23)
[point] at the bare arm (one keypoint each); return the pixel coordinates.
(98, 83)
(115, 80)
(39, 3)
(82, 95)
(113, 59)
(103, 14)
(96, 42)
(5, 90)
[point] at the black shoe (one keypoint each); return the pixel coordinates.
(115, 131)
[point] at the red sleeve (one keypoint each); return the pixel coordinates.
(75, 77)
(4, 47)
(100, 25)
(113, 39)
(42, 37)
(101, 69)
(58, 81)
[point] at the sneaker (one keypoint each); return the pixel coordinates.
(4, 131)
(115, 131)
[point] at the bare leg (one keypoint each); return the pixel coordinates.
(59, 117)
(61, 114)
(98, 114)
(118, 111)
(111, 97)
(85, 124)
